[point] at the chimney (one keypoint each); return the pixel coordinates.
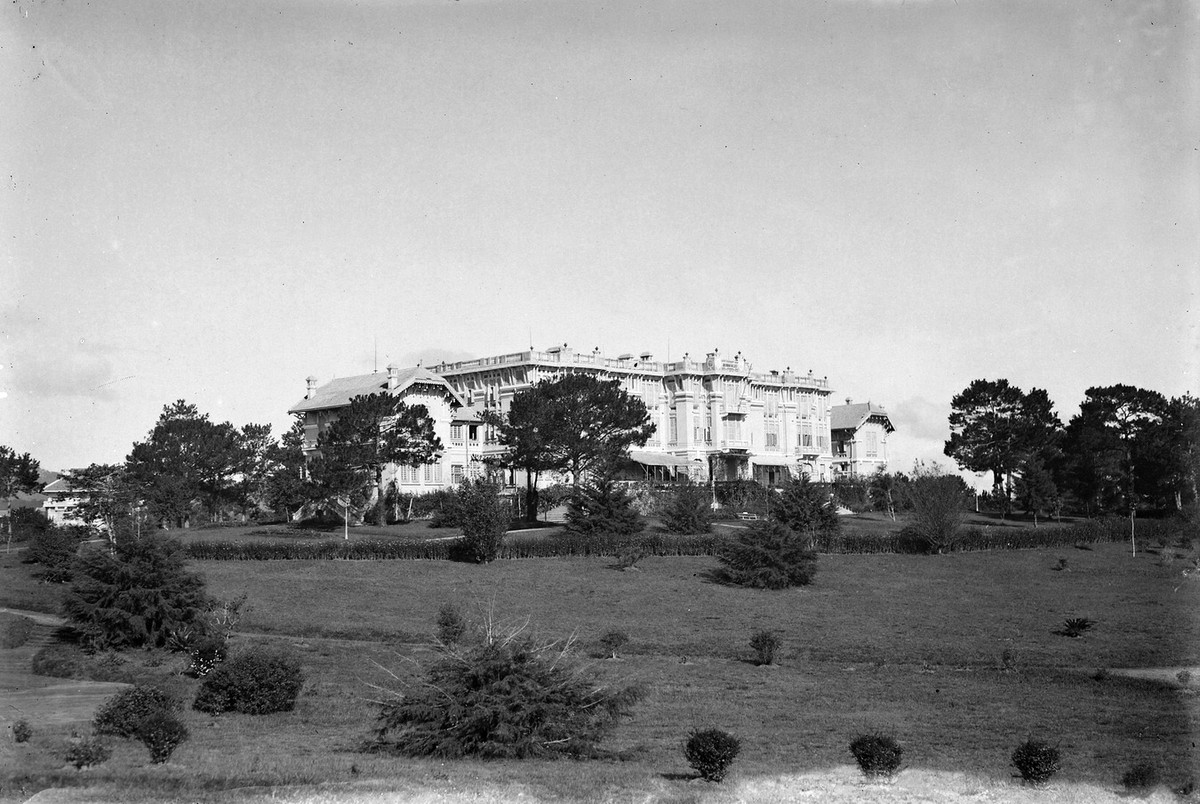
(393, 376)
(847, 400)
(312, 387)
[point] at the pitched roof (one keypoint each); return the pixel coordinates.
(851, 417)
(59, 484)
(338, 393)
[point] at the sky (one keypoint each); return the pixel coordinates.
(211, 201)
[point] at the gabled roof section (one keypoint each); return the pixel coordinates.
(338, 393)
(852, 417)
(57, 486)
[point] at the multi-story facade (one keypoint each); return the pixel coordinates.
(60, 503)
(714, 418)
(860, 433)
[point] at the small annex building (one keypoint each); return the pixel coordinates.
(860, 432)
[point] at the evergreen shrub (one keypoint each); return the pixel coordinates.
(688, 510)
(208, 652)
(135, 596)
(451, 625)
(255, 682)
(505, 698)
(710, 752)
(1036, 761)
(876, 754)
(603, 508)
(484, 518)
(768, 555)
(806, 508)
(765, 644)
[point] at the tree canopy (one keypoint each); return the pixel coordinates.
(374, 430)
(995, 427)
(18, 473)
(575, 423)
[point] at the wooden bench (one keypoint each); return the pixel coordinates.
(747, 517)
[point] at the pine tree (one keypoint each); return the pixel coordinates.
(769, 555)
(137, 595)
(806, 509)
(689, 510)
(603, 507)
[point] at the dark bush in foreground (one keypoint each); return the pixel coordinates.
(122, 714)
(769, 555)
(54, 549)
(710, 752)
(765, 644)
(508, 698)
(876, 754)
(1036, 761)
(1141, 778)
(206, 654)
(22, 731)
(256, 682)
(162, 733)
(87, 752)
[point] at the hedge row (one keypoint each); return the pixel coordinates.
(563, 545)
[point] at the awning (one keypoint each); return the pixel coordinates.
(772, 460)
(657, 459)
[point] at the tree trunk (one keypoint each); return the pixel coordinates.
(380, 506)
(531, 498)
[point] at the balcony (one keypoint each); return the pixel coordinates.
(736, 443)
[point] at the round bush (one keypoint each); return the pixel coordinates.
(122, 714)
(710, 753)
(22, 731)
(162, 733)
(88, 752)
(1036, 761)
(876, 754)
(209, 652)
(256, 682)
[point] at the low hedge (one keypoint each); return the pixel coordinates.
(564, 545)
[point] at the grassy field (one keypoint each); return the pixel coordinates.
(912, 645)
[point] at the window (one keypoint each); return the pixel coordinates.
(408, 475)
(872, 445)
(456, 473)
(674, 428)
(456, 432)
(433, 473)
(473, 432)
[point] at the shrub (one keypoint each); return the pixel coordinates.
(939, 503)
(1141, 778)
(768, 555)
(447, 511)
(806, 508)
(876, 754)
(206, 654)
(613, 641)
(483, 518)
(1184, 677)
(688, 510)
(743, 495)
(53, 549)
(122, 714)
(451, 625)
(22, 731)
(256, 682)
(629, 557)
(1076, 627)
(162, 733)
(603, 507)
(1036, 761)
(504, 698)
(135, 596)
(765, 644)
(710, 752)
(88, 751)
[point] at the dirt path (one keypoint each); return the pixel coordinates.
(41, 699)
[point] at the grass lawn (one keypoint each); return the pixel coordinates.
(911, 645)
